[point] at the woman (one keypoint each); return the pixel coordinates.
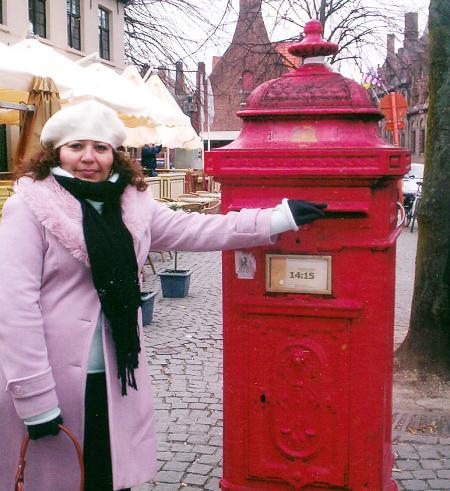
(72, 240)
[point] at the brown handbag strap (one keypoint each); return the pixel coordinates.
(19, 483)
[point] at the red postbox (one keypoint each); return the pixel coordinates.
(308, 321)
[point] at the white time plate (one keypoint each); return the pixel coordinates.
(298, 273)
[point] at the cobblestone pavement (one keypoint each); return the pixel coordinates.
(184, 347)
(422, 462)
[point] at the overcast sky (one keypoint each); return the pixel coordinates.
(223, 37)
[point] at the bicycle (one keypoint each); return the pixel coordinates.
(411, 215)
(401, 214)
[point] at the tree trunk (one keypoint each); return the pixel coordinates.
(427, 345)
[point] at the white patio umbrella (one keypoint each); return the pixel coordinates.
(180, 135)
(22, 61)
(14, 84)
(11, 116)
(136, 106)
(29, 58)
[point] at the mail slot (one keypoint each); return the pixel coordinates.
(308, 318)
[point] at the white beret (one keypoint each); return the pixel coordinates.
(88, 120)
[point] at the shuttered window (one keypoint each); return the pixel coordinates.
(73, 24)
(37, 13)
(422, 140)
(413, 141)
(103, 33)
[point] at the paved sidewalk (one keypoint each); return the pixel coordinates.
(184, 346)
(404, 282)
(423, 460)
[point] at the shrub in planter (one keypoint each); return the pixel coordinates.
(147, 304)
(175, 282)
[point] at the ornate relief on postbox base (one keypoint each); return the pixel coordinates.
(298, 421)
(298, 433)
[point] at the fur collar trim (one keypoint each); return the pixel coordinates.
(60, 213)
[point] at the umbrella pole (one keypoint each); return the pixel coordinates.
(209, 137)
(166, 159)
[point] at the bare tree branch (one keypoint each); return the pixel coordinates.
(355, 25)
(159, 33)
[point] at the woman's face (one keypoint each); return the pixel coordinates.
(87, 159)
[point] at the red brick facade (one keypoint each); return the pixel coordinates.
(406, 71)
(249, 60)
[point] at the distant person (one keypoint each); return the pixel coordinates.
(148, 158)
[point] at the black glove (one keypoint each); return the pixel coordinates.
(306, 211)
(49, 428)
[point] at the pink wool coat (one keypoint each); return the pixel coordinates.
(49, 311)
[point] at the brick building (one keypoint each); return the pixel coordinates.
(249, 60)
(406, 71)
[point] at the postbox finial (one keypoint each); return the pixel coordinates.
(313, 43)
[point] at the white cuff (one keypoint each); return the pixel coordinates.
(282, 219)
(43, 417)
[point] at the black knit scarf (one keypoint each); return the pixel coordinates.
(114, 267)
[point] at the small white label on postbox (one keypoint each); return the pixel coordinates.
(245, 264)
(298, 274)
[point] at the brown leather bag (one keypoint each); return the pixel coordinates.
(19, 484)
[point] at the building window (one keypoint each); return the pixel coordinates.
(38, 17)
(103, 33)
(402, 139)
(247, 81)
(1, 11)
(73, 24)
(422, 140)
(413, 141)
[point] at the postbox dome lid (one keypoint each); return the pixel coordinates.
(313, 88)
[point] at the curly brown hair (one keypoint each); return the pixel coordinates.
(38, 167)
